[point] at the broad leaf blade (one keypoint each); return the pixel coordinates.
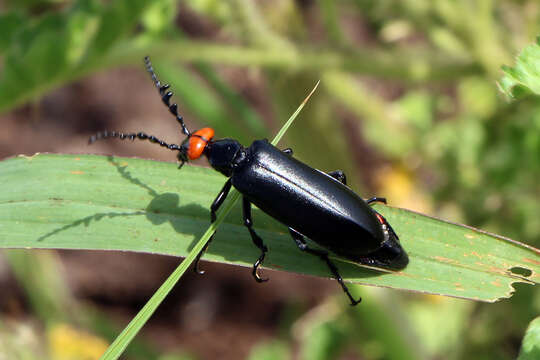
(105, 203)
(524, 77)
(530, 348)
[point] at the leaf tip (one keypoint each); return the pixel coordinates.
(311, 93)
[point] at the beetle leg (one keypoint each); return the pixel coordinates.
(376, 199)
(248, 222)
(339, 176)
(288, 151)
(301, 243)
(218, 201)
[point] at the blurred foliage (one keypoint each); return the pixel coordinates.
(411, 84)
(65, 319)
(530, 349)
(20, 341)
(270, 351)
(524, 77)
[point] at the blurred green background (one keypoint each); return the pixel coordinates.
(408, 107)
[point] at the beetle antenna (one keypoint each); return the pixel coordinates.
(166, 95)
(141, 136)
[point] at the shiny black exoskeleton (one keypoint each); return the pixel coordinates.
(312, 204)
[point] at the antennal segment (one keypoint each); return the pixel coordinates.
(165, 95)
(132, 136)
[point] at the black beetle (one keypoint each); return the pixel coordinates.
(312, 204)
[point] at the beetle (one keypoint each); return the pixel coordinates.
(312, 204)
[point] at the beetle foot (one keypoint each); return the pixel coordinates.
(355, 302)
(196, 268)
(260, 279)
(376, 199)
(256, 267)
(346, 290)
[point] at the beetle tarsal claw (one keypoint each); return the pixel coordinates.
(196, 268)
(258, 278)
(355, 302)
(256, 268)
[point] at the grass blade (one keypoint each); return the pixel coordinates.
(122, 341)
(289, 122)
(135, 325)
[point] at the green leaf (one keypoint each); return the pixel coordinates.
(523, 78)
(58, 47)
(530, 349)
(95, 202)
(9, 23)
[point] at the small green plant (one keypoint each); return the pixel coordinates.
(524, 77)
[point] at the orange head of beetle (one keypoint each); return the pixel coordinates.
(194, 145)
